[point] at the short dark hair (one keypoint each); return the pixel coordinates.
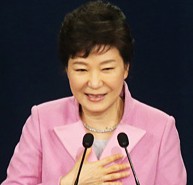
(95, 23)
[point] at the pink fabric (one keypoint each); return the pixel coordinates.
(51, 140)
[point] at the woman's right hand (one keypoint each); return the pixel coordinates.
(101, 172)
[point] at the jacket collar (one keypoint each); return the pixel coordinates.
(71, 136)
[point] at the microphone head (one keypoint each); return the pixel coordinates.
(88, 140)
(123, 139)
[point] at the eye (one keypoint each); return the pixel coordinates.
(108, 68)
(80, 70)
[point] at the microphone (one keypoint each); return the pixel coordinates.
(87, 143)
(124, 142)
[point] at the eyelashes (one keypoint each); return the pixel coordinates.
(108, 69)
(103, 69)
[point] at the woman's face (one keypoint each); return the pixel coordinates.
(97, 81)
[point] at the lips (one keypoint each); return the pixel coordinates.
(95, 97)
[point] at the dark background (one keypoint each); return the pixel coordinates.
(30, 71)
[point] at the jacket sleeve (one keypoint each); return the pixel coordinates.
(26, 164)
(171, 169)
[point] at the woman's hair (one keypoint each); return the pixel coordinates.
(95, 23)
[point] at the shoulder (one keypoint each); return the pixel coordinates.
(148, 111)
(56, 112)
(152, 119)
(58, 104)
(141, 112)
(145, 116)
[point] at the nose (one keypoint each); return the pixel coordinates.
(95, 80)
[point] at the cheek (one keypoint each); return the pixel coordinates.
(116, 83)
(72, 81)
(76, 83)
(117, 77)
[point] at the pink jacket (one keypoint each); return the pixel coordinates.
(52, 138)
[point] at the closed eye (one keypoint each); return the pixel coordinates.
(80, 70)
(107, 68)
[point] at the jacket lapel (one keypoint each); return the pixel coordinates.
(71, 136)
(134, 135)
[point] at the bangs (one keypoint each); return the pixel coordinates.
(96, 49)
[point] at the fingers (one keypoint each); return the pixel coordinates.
(116, 172)
(115, 176)
(112, 183)
(110, 159)
(117, 168)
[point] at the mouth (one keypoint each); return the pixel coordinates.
(95, 97)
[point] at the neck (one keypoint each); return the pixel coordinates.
(106, 119)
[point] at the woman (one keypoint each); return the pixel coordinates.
(96, 48)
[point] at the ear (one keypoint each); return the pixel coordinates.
(126, 72)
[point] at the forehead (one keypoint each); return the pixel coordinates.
(100, 52)
(97, 49)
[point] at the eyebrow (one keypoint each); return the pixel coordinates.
(79, 62)
(102, 63)
(108, 61)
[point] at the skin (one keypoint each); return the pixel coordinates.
(96, 82)
(96, 173)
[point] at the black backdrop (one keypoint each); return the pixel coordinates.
(30, 72)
